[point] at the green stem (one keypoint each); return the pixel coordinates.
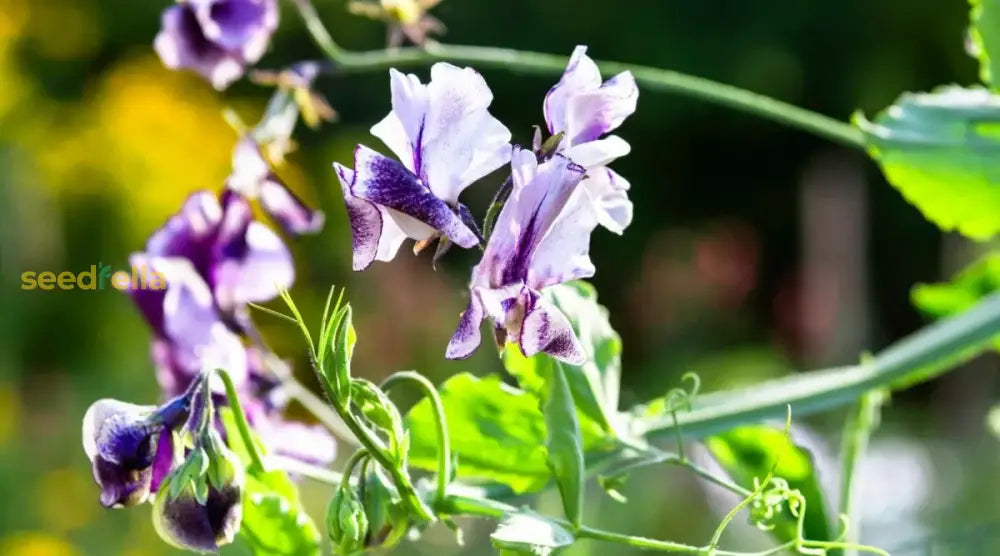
(857, 431)
(638, 542)
(444, 444)
(241, 420)
(917, 357)
(654, 79)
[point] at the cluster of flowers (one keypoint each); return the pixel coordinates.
(560, 191)
(217, 258)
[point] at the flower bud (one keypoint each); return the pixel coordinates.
(346, 522)
(206, 512)
(120, 440)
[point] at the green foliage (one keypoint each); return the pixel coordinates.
(754, 452)
(941, 150)
(984, 34)
(595, 383)
(495, 429)
(974, 282)
(563, 444)
(274, 521)
(528, 533)
(346, 521)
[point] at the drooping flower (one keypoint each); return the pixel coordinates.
(445, 139)
(584, 109)
(252, 177)
(201, 526)
(130, 447)
(541, 238)
(216, 38)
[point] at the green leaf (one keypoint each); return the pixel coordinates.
(750, 452)
(941, 150)
(495, 430)
(532, 534)
(974, 282)
(563, 442)
(595, 384)
(274, 521)
(984, 34)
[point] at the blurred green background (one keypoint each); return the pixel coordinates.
(756, 250)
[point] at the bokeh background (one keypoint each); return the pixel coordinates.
(756, 250)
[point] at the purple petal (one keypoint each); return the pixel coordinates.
(590, 115)
(243, 26)
(182, 43)
(442, 131)
(164, 461)
(384, 181)
(119, 441)
(546, 329)
(148, 300)
(374, 235)
(538, 197)
(608, 192)
(188, 524)
(191, 232)
(120, 485)
(581, 76)
(467, 336)
(307, 443)
(250, 261)
(563, 253)
(294, 217)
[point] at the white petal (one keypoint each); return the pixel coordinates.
(598, 153)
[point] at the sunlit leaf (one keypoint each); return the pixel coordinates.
(595, 384)
(968, 287)
(750, 452)
(563, 441)
(984, 35)
(497, 432)
(941, 150)
(530, 534)
(274, 521)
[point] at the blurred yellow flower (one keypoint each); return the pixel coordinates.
(69, 487)
(36, 544)
(64, 29)
(10, 413)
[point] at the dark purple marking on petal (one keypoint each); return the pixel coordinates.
(384, 181)
(182, 43)
(190, 233)
(365, 218)
(467, 336)
(121, 486)
(546, 329)
(294, 217)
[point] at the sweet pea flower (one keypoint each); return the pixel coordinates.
(541, 238)
(252, 177)
(584, 110)
(216, 38)
(130, 447)
(445, 140)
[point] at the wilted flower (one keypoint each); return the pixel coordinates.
(130, 447)
(541, 238)
(216, 38)
(252, 178)
(584, 109)
(204, 527)
(446, 140)
(406, 18)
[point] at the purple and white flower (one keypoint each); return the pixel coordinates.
(445, 139)
(216, 38)
(584, 109)
(252, 177)
(541, 238)
(130, 448)
(201, 526)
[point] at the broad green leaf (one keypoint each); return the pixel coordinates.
(967, 288)
(595, 384)
(274, 521)
(941, 150)
(750, 452)
(531, 534)
(496, 430)
(563, 441)
(984, 34)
